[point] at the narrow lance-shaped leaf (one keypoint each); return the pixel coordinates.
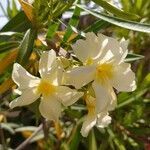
(19, 23)
(132, 57)
(116, 140)
(126, 4)
(114, 10)
(75, 138)
(136, 26)
(9, 36)
(7, 46)
(95, 27)
(14, 8)
(92, 141)
(26, 46)
(52, 30)
(132, 98)
(73, 22)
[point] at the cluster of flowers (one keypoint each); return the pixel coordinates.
(101, 69)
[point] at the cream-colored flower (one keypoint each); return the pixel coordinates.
(48, 87)
(103, 63)
(101, 120)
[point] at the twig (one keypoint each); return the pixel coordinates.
(27, 141)
(45, 129)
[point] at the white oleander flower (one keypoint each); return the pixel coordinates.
(48, 87)
(103, 65)
(30, 1)
(92, 119)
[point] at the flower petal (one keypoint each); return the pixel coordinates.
(88, 124)
(50, 108)
(50, 68)
(105, 97)
(47, 61)
(103, 121)
(23, 78)
(79, 76)
(28, 96)
(68, 96)
(112, 49)
(124, 78)
(89, 48)
(124, 45)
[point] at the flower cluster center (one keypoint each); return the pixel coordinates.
(104, 72)
(46, 88)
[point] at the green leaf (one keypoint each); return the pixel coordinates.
(72, 22)
(14, 8)
(9, 36)
(138, 4)
(19, 23)
(132, 98)
(104, 145)
(116, 140)
(64, 146)
(126, 4)
(132, 57)
(6, 46)
(146, 81)
(95, 27)
(136, 26)
(52, 30)
(26, 46)
(75, 138)
(114, 10)
(92, 141)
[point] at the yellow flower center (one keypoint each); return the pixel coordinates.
(104, 72)
(89, 61)
(46, 88)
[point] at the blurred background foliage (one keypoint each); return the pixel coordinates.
(43, 25)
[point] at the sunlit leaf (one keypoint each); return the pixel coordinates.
(52, 30)
(72, 22)
(114, 10)
(135, 26)
(26, 46)
(133, 57)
